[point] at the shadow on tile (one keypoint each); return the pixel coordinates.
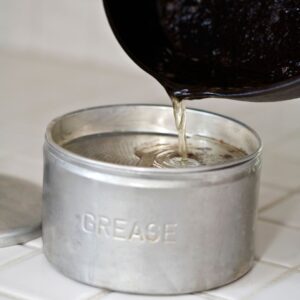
(20, 210)
(265, 238)
(286, 212)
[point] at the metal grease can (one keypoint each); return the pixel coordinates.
(147, 230)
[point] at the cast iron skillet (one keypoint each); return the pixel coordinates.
(136, 26)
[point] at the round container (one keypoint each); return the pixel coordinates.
(147, 230)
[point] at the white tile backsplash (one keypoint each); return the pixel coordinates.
(280, 172)
(5, 297)
(35, 244)
(274, 122)
(259, 276)
(35, 279)
(286, 212)
(269, 195)
(33, 90)
(73, 29)
(286, 288)
(278, 244)
(289, 147)
(99, 296)
(8, 254)
(30, 169)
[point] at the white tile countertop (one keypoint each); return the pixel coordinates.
(34, 90)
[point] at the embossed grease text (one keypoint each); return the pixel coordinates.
(125, 230)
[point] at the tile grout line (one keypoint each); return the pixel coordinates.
(274, 280)
(272, 204)
(275, 202)
(272, 264)
(20, 259)
(276, 186)
(281, 224)
(279, 186)
(99, 295)
(12, 296)
(284, 198)
(269, 184)
(62, 60)
(285, 272)
(33, 247)
(209, 296)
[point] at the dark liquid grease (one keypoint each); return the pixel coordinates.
(152, 150)
(195, 48)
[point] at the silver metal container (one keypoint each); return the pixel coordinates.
(146, 230)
